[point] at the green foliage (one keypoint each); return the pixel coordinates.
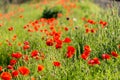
(51, 12)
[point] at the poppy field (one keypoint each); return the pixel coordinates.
(80, 42)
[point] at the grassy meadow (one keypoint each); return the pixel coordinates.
(82, 43)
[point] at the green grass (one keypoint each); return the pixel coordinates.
(104, 40)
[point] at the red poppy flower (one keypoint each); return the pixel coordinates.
(58, 41)
(19, 44)
(10, 28)
(67, 40)
(0, 68)
(57, 64)
(66, 29)
(6, 76)
(42, 19)
(114, 54)
(30, 30)
(86, 53)
(15, 73)
(91, 21)
(49, 42)
(87, 30)
(41, 30)
(51, 27)
(9, 44)
(84, 56)
(37, 57)
(40, 68)
(105, 56)
(69, 55)
(103, 23)
(71, 49)
(87, 48)
(96, 60)
(91, 62)
(93, 30)
(26, 43)
(10, 67)
(34, 53)
(16, 55)
(25, 27)
(58, 46)
(25, 47)
(56, 38)
(24, 70)
(15, 36)
(55, 34)
(13, 62)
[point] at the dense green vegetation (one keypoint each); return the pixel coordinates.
(23, 30)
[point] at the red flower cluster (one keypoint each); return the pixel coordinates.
(10, 28)
(91, 21)
(105, 56)
(93, 30)
(70, 51)
(94, 61)
(86, 52)
(103, 23)
(58, 44)
(26, 45)
(16, 55)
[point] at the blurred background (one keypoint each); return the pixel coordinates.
(108, 4)
(4, 4)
